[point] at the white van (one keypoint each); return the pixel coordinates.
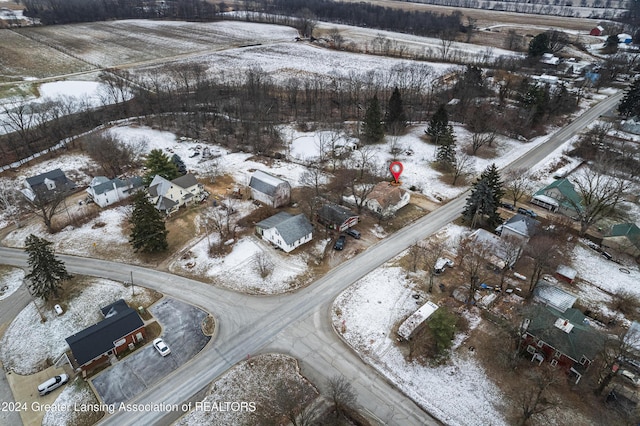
(52, 384)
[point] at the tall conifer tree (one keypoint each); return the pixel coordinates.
(149, 234)
(372, 128)
(47, 272)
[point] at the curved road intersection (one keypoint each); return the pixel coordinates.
(298, 324)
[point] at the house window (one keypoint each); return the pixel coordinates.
(554, 362)
(557, 354)
(584, 361)
(531, 349)
(540, 343)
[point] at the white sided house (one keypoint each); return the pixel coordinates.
(104, 191)
(269, 190)
(386, 199)
(168, 196)
(285, 230)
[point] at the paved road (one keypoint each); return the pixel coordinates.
(298, 322)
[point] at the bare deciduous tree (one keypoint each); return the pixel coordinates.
(535, 399)
(478, 140)
(462, 167)
(341, 393)
(473, 257)
(599, 194)
(434, 251)
(517, 184)
(263, 264)
(294, 401)
(541, 249)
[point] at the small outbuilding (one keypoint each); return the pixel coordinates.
(285, 230)
(269, 190)
(597, 31)
(566, 274)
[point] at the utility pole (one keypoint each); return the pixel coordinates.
(133, 292)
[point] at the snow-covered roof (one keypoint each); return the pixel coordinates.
(553, 296)
(566, 271)
(546, 199)
(186, 181)
(265, 183)
(291, 228)
(522, 225)
(418, 317)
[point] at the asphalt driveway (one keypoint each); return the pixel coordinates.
(182, 332)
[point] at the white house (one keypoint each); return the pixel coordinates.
(104, 191)
(169, 196)
(386, 199)
(270, 190)
(519, 226)
(285, 230)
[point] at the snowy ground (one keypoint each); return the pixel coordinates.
(10, 281)
(457, 393)
(27, 353)
(75, 394)
(252, 382)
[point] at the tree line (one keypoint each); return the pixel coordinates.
(55, 12)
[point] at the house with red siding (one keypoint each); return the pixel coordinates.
(120, 329)
(563, 339)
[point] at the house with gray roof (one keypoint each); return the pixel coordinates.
(269, 190)
(120, 330)
(168, 196)
(46, 185)
(519, 226)
(104, 191)
(564, 339)
(285, 231)
(559, 196)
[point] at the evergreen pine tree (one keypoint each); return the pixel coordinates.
(539, 45)
(630, 105)
(149, 234)
(446, 153)
(395, 118)
(47, 272)
(158, 163)
(438, 125)
(182, 169)
(372, 128)
(484, 199)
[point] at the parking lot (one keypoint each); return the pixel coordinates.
(181, 331)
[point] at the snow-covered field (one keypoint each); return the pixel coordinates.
(28, 352)
(255, 382)
(10, 281)
(457, 393)
(605, 274)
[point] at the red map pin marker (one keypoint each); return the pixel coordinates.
(396, 170)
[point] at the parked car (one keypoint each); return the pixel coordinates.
(161, 347)
(355, 234)
(339, 245)
(629, 377)
(528, 212)
(508, 206)
(52, 384)
(606, 255)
